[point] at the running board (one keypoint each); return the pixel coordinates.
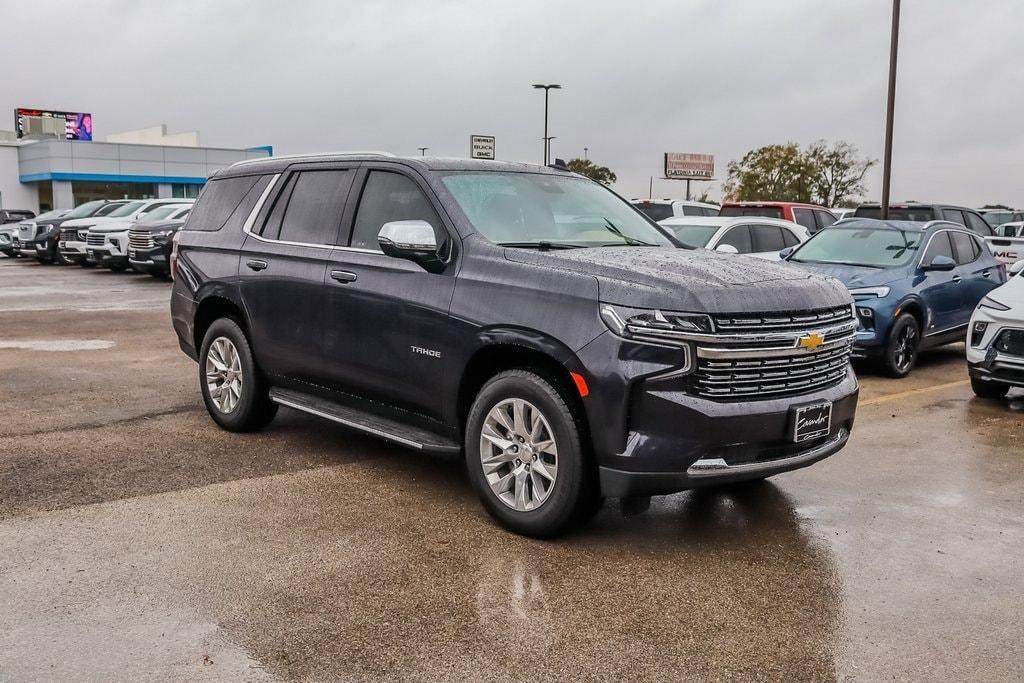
(385, 428)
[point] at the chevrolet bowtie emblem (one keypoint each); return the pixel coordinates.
(810, 341)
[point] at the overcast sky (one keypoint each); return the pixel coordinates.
(640, 78)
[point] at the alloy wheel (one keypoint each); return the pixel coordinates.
(518, 454)
(224, 374)
(906, 348)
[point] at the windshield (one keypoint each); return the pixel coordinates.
(762, 211)
(997, 218)
(85, 210)
(161, 213)
(693, 235)
(535, 210)
(125, 210)
(898, 213)
(58, 213)
(656, 212)
(873, 247)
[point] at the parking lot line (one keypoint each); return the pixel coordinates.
(913, 392)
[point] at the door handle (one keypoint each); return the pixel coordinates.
(986, 273)
(343, 276)
(256, 264)
(956, 278)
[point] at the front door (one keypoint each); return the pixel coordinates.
(388, 336)
(940, 289)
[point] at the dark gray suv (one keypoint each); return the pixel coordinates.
(526, 317)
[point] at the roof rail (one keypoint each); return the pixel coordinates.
(356, 153)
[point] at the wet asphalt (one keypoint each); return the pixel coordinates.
(140, 542)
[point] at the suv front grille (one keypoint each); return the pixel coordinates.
(1011, 342)
(773, 356)
(94, 239)
(26, 231)
(140, 239)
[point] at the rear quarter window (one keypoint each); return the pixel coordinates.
(224, 200)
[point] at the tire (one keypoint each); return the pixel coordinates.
(248, 408)
(62, 259)
(117, 268)
(990, 390)
(901, 350)
(86, 263)
(548, 506)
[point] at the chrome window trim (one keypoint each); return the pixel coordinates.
(958, 228)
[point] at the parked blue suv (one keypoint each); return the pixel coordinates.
(915, 284)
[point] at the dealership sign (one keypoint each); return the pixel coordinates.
(481, 146)
(71, 125)
(689, 166)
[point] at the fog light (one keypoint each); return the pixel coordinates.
(978, 333)
(865, 312)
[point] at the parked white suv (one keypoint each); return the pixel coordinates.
(660, 209)
(74, 234)
(107, 243)
(995, 338)
(761, 237)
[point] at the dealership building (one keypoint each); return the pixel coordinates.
(47, 170)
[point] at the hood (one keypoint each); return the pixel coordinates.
(855, 276)
(112, 225)
(158, 226)
(692, 280)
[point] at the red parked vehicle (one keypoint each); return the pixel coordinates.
(811, 216)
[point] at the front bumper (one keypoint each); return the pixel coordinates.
(73, 250)
(152, 261)
(984, 361)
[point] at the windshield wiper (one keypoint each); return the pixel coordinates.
(542, 245)
(630, 241)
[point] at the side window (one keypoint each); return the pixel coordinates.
(315, 206)
(224, 200)
(790, 238)
(967, 250)
(738, 237)
(954, 215)
(805, 218)
(825, 219)
(767, 238)
(977, 224)
(693, 211)
(272, 226)
(938, 246)
(389, 197)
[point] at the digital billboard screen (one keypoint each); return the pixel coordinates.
(45, 123)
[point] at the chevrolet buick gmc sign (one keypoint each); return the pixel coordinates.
(481, 146)
(685, 166)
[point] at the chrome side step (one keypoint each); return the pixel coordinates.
(368, 423)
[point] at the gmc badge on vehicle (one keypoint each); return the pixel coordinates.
(426, 352)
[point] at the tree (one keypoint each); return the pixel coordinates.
(830, 175)
(601, 174)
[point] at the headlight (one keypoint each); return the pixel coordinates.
(162, 233)
(870, 291)
(645, 324)
(989, 302)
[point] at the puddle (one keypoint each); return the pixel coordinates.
(57, 344)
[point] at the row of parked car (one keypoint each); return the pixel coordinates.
(921, 279)
(114, 234)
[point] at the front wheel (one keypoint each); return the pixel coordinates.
(990, 390)
(901, 350)
(525, 455)
(235, 393)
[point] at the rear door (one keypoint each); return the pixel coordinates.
(940, 289)
(978, 275)
(767, 239)
(388, 336)
(283, 268)
(738, 236)
(805, 217)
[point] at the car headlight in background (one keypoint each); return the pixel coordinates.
(989, 302)
(880, 292)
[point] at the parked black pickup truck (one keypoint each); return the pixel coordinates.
(526, 317)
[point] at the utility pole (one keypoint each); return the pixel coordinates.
(423, 151)
(585, 157)
(890, 109)
(546, 88)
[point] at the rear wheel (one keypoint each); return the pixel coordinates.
(901, 350)
(990, 390)
(234, 390)
(525, 455)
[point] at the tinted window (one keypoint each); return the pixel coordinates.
(805, 218)
(763, 211)
(656, 212)
(272, 226)
(898, 213)
(825, 219)
(977, 224)
(939, 246)
(767, 238)
(789, 238)
(389, 197)
(967, 250)
(954, 215)
(738, 237)
(221, 200)
(315, 206)
(693, 211)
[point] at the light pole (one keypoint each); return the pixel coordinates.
(547, 143)
(546, 88)
(585, 151)
(890, 109)
(423, 151)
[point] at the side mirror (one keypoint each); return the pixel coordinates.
(1016, 267)
(413, 240)
(786, 253)
(727, 249)
(940, 262)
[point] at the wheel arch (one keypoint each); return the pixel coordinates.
(212, 307)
